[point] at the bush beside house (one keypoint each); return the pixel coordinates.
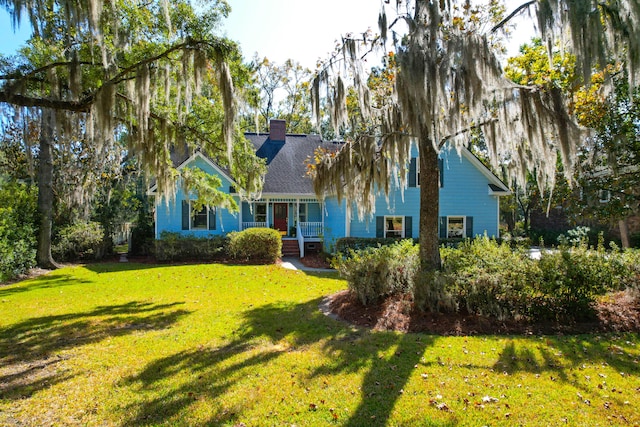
(488, 278)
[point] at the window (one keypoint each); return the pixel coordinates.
(199, 219)
(261, 212)
(455, 227)
(393, 226)
(604, 196)
(203, 219)
(302, 212)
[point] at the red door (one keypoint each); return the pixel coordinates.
(280, 214)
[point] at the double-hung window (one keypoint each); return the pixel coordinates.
(394, 226)
(261, 212)
(202, 219)
(455, 227)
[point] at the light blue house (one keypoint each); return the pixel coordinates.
(469, 199)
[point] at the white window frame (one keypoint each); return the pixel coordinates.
(255, 208)
(193, 215)
(418, 171)
(464, 226)
(604, 196)
(387, 230)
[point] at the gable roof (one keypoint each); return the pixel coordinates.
(496, 186)
(286, 169)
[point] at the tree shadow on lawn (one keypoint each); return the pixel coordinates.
(214, 376)
(563, 358)
(30, 358)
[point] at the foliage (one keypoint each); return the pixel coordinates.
(346, 245)
(178, 247)
(255, 244)
(376, 272)
(17, 228)
(81, 241)
(487, 278)
(280, 92)
(142, 233)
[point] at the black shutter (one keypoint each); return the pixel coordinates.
(185, 214)
(408, 227)
(212, 218)
(379, 226)
(469, 231)
(412, 172)
(443, 227)
(441, 170)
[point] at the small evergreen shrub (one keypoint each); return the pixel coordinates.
(17, 229)
(346, 244)
(81, 241)
(176, 247)
(487, 278)
(142, 235)
(255, 244)
(377, 272)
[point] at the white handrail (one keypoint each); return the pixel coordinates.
(300, 238)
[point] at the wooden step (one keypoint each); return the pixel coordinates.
(290, 248)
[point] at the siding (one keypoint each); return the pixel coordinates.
(169, 216)
(465, 193)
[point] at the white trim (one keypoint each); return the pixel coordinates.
(464, 226)
(384, 225)
(493, 179)
(347, 220)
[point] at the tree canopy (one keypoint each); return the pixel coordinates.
(449, 81)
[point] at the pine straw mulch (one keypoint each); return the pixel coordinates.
(619, 312)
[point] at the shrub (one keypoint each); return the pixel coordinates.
(177, 247)
(572, 278)
(345, 244)
(373, 273)
(486, 278)
(17, 229)
(255, 244)
(142, 238)
(79, 241)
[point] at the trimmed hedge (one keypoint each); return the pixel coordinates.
(176, 247)
(255, 244)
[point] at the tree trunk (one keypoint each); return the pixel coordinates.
(624, 233)
(45, 191)
(429, 207)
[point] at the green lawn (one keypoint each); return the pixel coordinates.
(134, 344)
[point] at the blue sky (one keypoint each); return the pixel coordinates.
(280, 29)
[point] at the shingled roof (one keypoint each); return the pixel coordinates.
(285, 155)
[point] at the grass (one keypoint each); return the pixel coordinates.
(194, 345)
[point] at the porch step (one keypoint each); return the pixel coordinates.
(290, 248)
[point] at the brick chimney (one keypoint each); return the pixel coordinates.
(277, 130)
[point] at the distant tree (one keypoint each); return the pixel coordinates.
(282, 92)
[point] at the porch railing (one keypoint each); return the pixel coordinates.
(311, 229)
(254, 224)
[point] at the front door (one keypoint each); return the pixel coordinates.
(280, 215)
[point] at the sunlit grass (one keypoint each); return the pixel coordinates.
(133, 344)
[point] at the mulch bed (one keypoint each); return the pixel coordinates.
(618, 313)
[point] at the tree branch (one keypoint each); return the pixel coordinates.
(511, 15)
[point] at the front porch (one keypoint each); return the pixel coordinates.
(299, 221)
